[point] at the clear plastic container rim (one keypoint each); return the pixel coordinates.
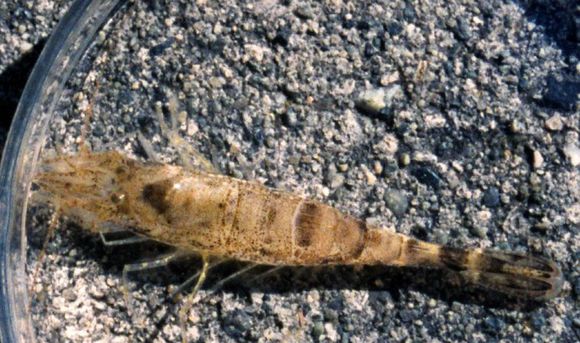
(68, 42)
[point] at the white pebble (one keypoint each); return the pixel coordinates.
(573, 153)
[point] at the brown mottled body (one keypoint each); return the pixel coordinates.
(230, 218)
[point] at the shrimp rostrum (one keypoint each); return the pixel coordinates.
(224, 217)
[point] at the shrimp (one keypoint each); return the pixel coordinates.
(222, 217)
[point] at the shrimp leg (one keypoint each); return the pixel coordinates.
(188, 303)
(193, 278)
(227, 279)
(262, 275)
(135, 267)
(124, 241)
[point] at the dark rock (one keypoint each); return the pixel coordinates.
(523, 192)
(317, 330)
(462, 30)
(214, 107)
(289, 118)
(282, 37)
(386, 115)
(561, 95)
(330, 315)
(479, 230)
(394, 28)
(160, 48)
(348, 24)
(291, 91)
(98, 131)
(407, 316)
(491, 197)
(370, 50)
(409, 13)
(538, 321)
(493, 325)
(363, 25)
(427, 176)
(237, 324)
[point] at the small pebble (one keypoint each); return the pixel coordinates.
(336, 181)
(343, 167)
(289, 118)
(69, 294)
(371, 178)
(389, 78)
(317, 330)
(572, 152)
(25, 47)
(330, 331)
(405, 159)
(120, 339)
(377, 167)
(537, 159)
(554, 123)
(216, 82)
(397, 202)
(304, 12)
(101, 306)
(479, 230)
(432, 303)
(96, 293)
(373, 101)
(516, 126)
(388, 146)
(573, 214)
(462, 29)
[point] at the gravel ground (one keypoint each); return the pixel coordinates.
(455, 122)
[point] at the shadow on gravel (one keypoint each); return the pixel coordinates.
(384, 284)
(12, 82)
(443, 285)
(561, 23)
(560, 19)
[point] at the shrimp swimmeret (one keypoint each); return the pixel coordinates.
(221, 217)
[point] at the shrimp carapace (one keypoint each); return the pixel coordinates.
(228, 218)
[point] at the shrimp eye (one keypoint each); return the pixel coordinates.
(121, 170)
(117, 197)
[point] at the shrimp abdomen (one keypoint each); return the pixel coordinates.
(279, 228)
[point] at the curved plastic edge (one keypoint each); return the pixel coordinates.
(66, 45)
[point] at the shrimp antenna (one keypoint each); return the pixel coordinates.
(42, 253)
(89, 112)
